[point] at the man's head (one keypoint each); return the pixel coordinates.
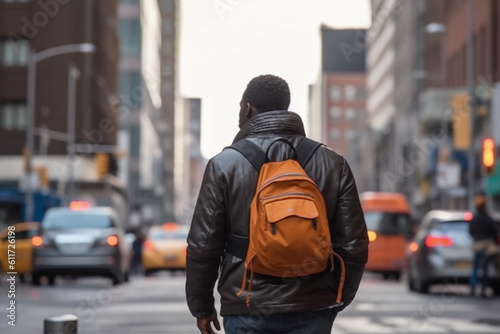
(480, 202)
(264, 93)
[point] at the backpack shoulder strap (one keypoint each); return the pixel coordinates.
(251, 152)
(305, 150)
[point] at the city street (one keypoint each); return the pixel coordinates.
(156, 305)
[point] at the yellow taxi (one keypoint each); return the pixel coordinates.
(21, 251)
(165, 248)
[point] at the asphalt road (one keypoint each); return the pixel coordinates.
(156, 305)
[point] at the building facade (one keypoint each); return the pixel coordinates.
(338, 100)
(148, 92)
(72, 49)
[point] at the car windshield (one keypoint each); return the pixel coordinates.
(75, 221)
(457, 230)
(161, 235)
(388, 223)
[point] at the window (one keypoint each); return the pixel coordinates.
(335, 113)
(354, 93)
(130, 37)
(335, 93)
(351, 134)
(350, 92)
(14, 52)
(335, 134)
(13, 116)
(350, 114)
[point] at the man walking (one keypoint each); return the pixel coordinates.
(483, 230)
(220, 229)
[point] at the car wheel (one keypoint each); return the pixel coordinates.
(35, 279)
(386, 276)
(421, 286)
(148, 272)
(397, 275)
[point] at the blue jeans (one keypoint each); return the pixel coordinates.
(314, 322)
(480, 261)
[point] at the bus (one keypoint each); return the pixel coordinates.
(390, 230)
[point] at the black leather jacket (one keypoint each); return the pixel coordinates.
(223, 208)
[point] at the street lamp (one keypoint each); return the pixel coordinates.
(30, 117)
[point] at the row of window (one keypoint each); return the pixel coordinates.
(351, 114)
(13, 116)
(351, 93)
(336, 134)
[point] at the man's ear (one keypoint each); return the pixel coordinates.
(251, 111)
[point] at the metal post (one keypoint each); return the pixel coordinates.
(470, 87)
(30, 124)
(61, 324)
(73, 75)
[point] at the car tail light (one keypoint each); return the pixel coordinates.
(149, 245)
(438, 241)
(112, 240)
(413, 247)
(372, 235)
(468, 216)
(37, 241)
(79, 206)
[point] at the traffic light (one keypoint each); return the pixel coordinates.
(488, 155)
(102, 164)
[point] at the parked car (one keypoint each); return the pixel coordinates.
(390, 230)
(81, 241)
(441, 252)
(22, 247)
(165, 248)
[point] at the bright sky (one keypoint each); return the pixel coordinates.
(225, 43)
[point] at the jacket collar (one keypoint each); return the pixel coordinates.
(272, 122)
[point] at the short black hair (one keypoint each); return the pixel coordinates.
(267, 92)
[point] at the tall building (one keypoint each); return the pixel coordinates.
(172, 102)
(73, 50)
(148, 34)
(191, 163)
(338, 99)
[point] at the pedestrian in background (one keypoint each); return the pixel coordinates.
(485, 235)
(137, 252)
(220, 225)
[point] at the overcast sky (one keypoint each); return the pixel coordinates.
(225, 43)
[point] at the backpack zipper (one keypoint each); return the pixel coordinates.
(279, 176)
(287, 194)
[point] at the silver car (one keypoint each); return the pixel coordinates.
(441, 252)
(80, 241)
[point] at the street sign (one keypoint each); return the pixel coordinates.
(448, 175)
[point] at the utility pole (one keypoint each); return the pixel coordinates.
(471, 189)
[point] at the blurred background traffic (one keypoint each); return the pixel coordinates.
(102, 149)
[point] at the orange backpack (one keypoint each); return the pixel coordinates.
(289, 234)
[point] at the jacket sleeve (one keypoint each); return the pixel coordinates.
(349, 238)
(206, 243)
